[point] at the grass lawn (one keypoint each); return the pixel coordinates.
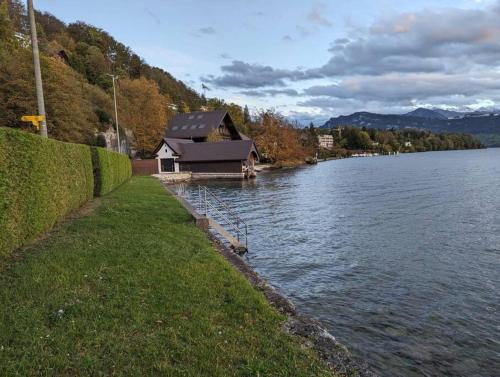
(134, 288)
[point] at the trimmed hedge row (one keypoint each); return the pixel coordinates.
(111, 169)
(41, 181)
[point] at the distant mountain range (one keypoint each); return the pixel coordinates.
(483, 124)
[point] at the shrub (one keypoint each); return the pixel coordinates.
(111, 169)
(41, 181)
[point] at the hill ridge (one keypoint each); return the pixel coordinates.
(483, 125)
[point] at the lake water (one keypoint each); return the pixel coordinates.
(398, 256)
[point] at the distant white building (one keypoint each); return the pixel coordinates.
(325, 141)
(408, 144)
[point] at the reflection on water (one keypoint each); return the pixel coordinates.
(398, 256)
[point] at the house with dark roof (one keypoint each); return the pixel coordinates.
(185, 147)
(199, 125)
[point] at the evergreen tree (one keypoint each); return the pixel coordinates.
(246, 115)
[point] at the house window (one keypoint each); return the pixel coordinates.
(191, 117)
(167, 165)
(200, 116)
(174, 128)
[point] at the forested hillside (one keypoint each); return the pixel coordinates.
(486, 127)
(76, 62)
(351, 138)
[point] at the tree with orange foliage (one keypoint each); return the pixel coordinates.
(144, 110)
(277, 140)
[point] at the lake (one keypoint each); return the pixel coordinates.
(399, 257)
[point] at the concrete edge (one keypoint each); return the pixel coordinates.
(312, 333)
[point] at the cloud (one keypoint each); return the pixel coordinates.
(153, 16)
(417, 86)
(413, 58)
(446, 40)
(316, 15)
(207, 30)
(445, 56)
(239, 74)
(341, 41)
(303, 31)
(270, 92)
(287, 38)
(306, 117)
(422, 42)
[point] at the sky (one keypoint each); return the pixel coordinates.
(312, 60)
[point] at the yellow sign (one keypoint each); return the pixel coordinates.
(34, 119)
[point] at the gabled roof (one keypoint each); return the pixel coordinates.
(243, 136)
(234, 150)
(174, 144)
(196, 124)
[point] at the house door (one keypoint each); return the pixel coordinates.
(167, 165)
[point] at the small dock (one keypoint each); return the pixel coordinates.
(235, 243)
(223, 220)
(212, 214)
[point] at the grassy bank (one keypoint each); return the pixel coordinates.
(133, 288)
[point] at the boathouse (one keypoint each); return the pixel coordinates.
(186, 148)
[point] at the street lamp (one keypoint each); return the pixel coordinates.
(116, 113)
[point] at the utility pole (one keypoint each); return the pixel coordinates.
(38, 73)
(116, 114)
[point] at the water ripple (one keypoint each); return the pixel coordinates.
(399, 257)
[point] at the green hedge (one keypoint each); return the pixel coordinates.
(111, 169)
(41, 181)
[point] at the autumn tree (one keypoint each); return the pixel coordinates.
(17, 15)
(143, 110)
(71, 103)
(277, 140)
(72, 114)
(6, 26)
(77, 89)
(215, 104)
(235, 112)
(183, 108)
(309, 137)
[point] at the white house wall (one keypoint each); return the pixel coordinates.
(166, 152)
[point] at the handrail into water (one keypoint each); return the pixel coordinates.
(227, 214)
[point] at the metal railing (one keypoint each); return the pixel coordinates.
(212, 206)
